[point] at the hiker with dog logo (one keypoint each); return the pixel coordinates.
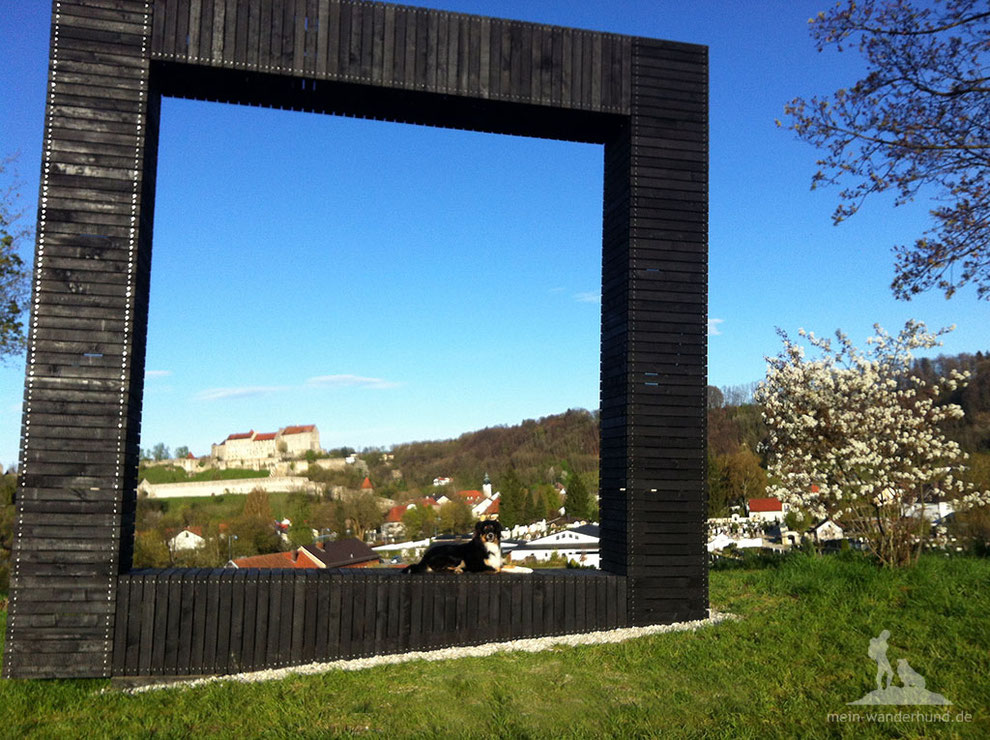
(878, 651)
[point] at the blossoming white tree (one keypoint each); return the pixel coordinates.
(855, 436)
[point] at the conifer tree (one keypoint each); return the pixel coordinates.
(578, 503)
(512, 506)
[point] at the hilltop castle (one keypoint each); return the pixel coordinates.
(252, 446)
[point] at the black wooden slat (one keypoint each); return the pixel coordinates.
(409, 64)
(170, 19)
(335, 648)
(450, 609)
(160, 585)
(217, 26)
(505, 609)
(464, 627)
(417, 603)
(184, 654)
(225, 621)
(343, 27)
(131, 613)
(378, 44)
(528, 604)
(120, 626)
(310, 44)
(277, 34)
(472, 626)
(348, 595)
(367, 40)
(505, 60)
(253, 36)
(203, 30)
(321, 618)
(463, 55)
(173, 623)
(288, 34)
(241, 39)
(549, 623)
(212, 610)
(433, 614)
(322, 36)
(199, 621)
(358, 599)
(398, 615)
(182, 11)
(370, 622)
(298, 36)
(304, 626)
(228, 49)
(262, 655)
(287, 620)
(382, 608)
(242, 611)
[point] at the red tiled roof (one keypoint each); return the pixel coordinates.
(263, 437)
(493, 509)
(241, 435)
(366, 483)
(299, 429)
(471, 497)
(395, 514)
(275, 560)
(765, 504)
(190, 456)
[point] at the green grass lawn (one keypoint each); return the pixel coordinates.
(797, 654)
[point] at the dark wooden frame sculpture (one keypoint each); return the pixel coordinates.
(76, 607)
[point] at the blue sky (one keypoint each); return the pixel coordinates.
(391, 283)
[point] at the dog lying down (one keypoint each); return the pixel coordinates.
(481, 554)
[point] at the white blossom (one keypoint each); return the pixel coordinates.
(855, 435)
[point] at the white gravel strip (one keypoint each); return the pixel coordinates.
(529, 645)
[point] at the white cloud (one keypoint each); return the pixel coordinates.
(220, 394)
(588, 297)
(351, 381)
(157, 373)
(713, 327)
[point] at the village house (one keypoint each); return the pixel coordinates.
(826, 531)
(347, 553)
(189, 538)
(579, 544)
(392, 527)
(766, 509)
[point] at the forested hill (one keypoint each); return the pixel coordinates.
(972, 432)
(539, 450)
(542, 450)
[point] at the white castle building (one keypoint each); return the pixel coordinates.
(288, 442)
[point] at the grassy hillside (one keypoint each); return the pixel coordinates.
(156, 474)
(798, 653)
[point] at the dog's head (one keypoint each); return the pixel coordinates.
(488, 531)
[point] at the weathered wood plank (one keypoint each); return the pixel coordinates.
(229, 618)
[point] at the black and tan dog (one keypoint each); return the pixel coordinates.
(481, 554)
